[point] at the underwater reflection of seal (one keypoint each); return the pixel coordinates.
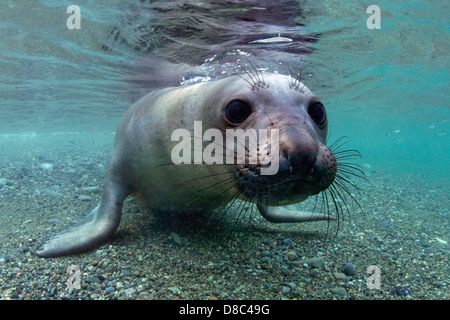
(141, 164)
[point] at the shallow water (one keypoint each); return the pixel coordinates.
(386, 89)
(64, 91)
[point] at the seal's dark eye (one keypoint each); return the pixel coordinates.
(317, 112)
(237, 111)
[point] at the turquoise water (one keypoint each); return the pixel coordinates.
(387, 90)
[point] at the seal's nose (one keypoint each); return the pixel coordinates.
(302, 162)
(298, 154)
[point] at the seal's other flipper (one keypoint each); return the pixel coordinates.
(283, 215)
(93, 229)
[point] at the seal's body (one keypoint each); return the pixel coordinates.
(142, 165)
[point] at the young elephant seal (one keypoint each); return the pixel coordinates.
(285, 120)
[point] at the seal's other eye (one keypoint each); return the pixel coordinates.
(317, 112)
(237, 111)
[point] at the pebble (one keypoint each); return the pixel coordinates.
(47, 166)
(428, 250)
(145, 295)
(126, 273)
(6, 192)
(16, 251)
(290, 256)
(291, 285)
(92, 280)
(339, 275)
(2, 182)
(266, 259)
(176, 239)
(130, 291)
(285, 290)
(94, 190)
(53, 291)
(339, 291)
(84, 198)
(109, 290)
(51, 193)
(313, 274)
(425, 243)
(316, 262)
(287, 241)
(385, 224)
(53, 221)
(174, 290)
(401, 291)
(267, 254)
(349, 269)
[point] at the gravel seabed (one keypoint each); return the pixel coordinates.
(48, 182)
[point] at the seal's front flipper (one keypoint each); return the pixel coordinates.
(93, 229)
(284, 215)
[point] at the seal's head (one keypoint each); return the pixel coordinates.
(295, 120)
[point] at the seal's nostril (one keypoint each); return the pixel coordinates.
(302, 162)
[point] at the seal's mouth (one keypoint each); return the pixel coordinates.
(299, 176)
(281, 189)
(331, 176)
